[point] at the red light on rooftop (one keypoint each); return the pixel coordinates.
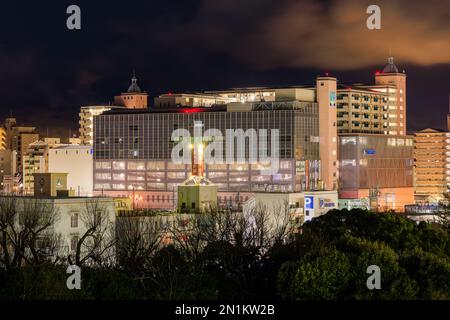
(169, 93)
(378, 72)
(191, 110)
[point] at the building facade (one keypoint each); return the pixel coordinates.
(377, 168)
(431, 164)
(87, 114)
(133, 98)
(77, 162)
(362, 110)
(35, 160)
(393, 82)
(180, 100)
(132, 151)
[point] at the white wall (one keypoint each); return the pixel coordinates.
(77, 162)
(66, 207)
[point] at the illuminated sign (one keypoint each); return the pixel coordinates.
(326, 203)
(309, 202)
(332, 99)
(369, 151)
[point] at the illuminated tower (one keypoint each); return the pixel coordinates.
(197, 193)
(397, 104)
(326, 98)
(134, 98)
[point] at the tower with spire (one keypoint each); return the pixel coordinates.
(394, 82)
(134, 97)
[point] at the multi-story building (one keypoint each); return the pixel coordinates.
(133, 148)
(35, 160)
(49, 156)
(87, 114)
(18, 138)
(393, 82)
(362, 110)
(431, 164)
(377, 168)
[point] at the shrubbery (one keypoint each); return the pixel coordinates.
(326, 260)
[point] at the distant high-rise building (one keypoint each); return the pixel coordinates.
(18, 138)
(133, 98)
(393, 82)
(431, 164)
(35, 160)
(87, 115)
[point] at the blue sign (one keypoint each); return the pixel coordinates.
(309, 202)
(369, 151)
(332, 99)
(326, 203)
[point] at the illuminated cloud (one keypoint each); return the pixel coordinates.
(322, 34)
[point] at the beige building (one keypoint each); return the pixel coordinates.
(326, 97)
(134, 98)
(34, 161)
(18, 138)
(197, 194)
(177, 100)
(431, 164)
(393, 82)
(87, 114)
(378, 108)
(362, 110)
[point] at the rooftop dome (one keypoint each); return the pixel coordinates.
(390, 67)
(134, 87)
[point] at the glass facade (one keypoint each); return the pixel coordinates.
(132, 150)
(375, 161)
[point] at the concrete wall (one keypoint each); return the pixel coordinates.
(77, 162)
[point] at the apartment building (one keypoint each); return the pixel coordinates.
(431, 164)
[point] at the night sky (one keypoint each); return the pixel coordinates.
(47, 71)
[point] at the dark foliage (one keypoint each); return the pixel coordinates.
(327, 259)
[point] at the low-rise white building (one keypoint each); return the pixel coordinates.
(302, 206)
(71, 217)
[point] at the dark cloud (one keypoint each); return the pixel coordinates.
(47, 72)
